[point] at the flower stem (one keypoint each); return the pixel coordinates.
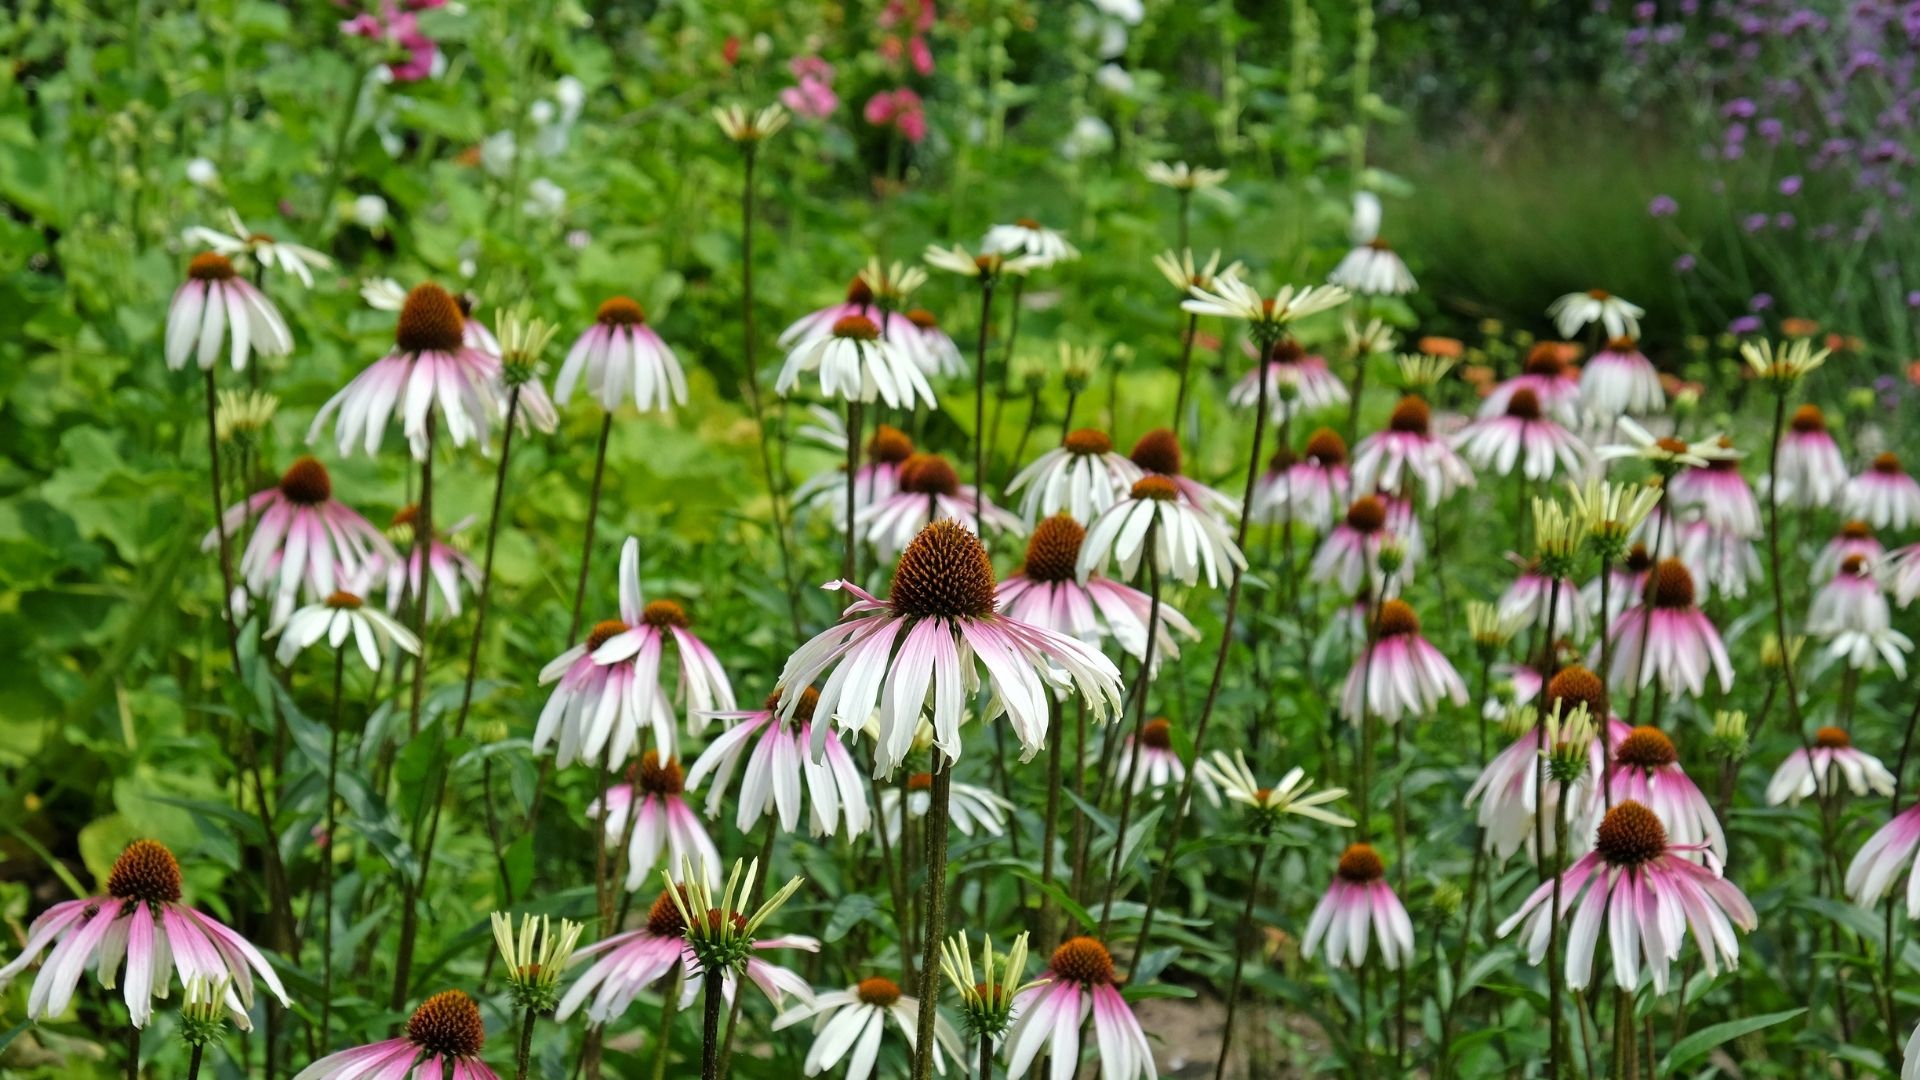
(1051, 834)
(325, 892)
(1239, 957)
(1887, 943)
(412, 890)
(133, 1052)
(850, 558)
(980, 395)
(523, 1059)
(752, 902)
(193, 1062)
(936, 903)
(1556, 1039)
(1646, 606)
(336, 161)
(986, 1057)
(710, 1029)
(669, 1009)
(593, 516)
(748, 351)
(1132, 763)
(1006, 369)
(1186, 364)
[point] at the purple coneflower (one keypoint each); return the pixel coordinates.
(1298, 383)
(1811, 471)
(450, 567)
(302, 536)
(338, 617)
(1645, 768)
(1527, 600)
(217, 305)
(1629, 577)
(849, 1025)
(931, 347)
(664, 822)
(1724, 498)
(1636, 885)
(431, 367)
(856, 362)
(1371, 268)
(1884, 495)
(1408, 450)
(1853, 538)
(1349, 557)
(1308, 488)
(1158, 451)
(1616, 316)
(1046, 591)
(621, 356)
(140, 920)
(1852, 613)
(927, 642)
(1722, 561)
(1522, 435)
(1506, 788)
(1185, 539)
(1554, 382)
(1082, 477)
(778, 767)
(1678, 642)
(445, 1032)
(876, 478)
(927, 489)
(1400, 674)
(1806, 772)
(1358, 906)
(1079, 981)
(1619, 380)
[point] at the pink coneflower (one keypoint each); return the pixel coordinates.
(1046, 592)
(854, 1021)
(1618, 380)
(1880, 860)
(1853, 538)
(609, 684)
(1679, 643)
(430, 368)
(1082, 477)
(1532, 593)
(1158, 451)
(620, 356)
(1806, 772)
(1505, 789)
(1408, 450)
(664, 823)
(445, 1032)
(1554, 383)
(1636, 885)
(931, 346)
(217, 305)
(927, 643)
(1350, 554)
(1400, 673)
(877, 477)
(1719, 560)
(1514, 684)
(860, 302)
(1901, 569)
(856, 362)
(1186, 540)
(1359, 905)
(779, 770)
(927, 490)
(1307, 490)
(1884, 495)
(1079, 980)
(1645, 768)
(1298, 383)
(302, 536)
(1160, 764)
(450, 567)
(1721, 494)
(1853, 615)
(140, 920)
(971, 807)
(1628, 579)
(625, 964)
(1521, 435)
(1811, 469)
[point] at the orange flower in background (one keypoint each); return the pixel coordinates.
(1480, 377)
(1844, 343)
(1799, 328)
(1913, 372)
(1445, 347)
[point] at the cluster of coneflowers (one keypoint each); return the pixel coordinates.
(863, 729)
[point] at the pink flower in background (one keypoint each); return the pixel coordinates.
(396, 25)
(813, 96)
(921, 55)
(901, 110)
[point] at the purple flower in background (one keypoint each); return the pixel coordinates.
(1790, 185)
(1689, 7)
(1644, 11)
(1784, 220)
(1662, 206)
(1637, 37)
(1770, 129)
(1736, 132)
(1760, 302)
(1684, 264)
(1745, 324)
(1753, 223)
(1718, 41)
(1913, 298)
(1669, 34)
(1738, 109)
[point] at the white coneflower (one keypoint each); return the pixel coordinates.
(1185, 539)
(1181, 176)
(989, 265)
(857, 363)
(1032, 239)
(1185, 272)
(281, 255)
(744, 126)
(1574, 311)
(338, 617)
(1231, 298)
(1082, 477)
(1371, 268)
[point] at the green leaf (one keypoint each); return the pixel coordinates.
(852, 910)
(1696, 1045)
(1067, 903)
(12, 1033)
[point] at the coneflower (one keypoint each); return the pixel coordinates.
(619, 357)
(444, 1033)
(1408, 450)
(215, 306)
(1079, 981)
(304, 540)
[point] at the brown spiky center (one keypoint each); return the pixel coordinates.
(1545, 359)
(878, 991)
(1158, 451)
(889, 445)
(1367, 515)
(1672, 585)
(920, 781)
(1083, 960)
(656, 777)
(1360, 864)
(1028, 223)
(1646, 748)
(1853, 566)
(661, 614)
(344, 600)
(1412, 416)
(856, 327)
(1575, 685)
(1524, 405)
(211, 266)
(306, 482)
(1638, 561)
(1157, 488)
(929, 474)
(1888, 463)
(404, 517)
(1857, 530)
(448, 1024)
(147, 871)
(1809, 420)
(1286, 351)
(1832, 738)
(1158, 734)
(621, 311)
(803, 712)
(1053, 551)
(664, 918)
(923, 319)
(1379, 243)
(1622, 344)
(1326, 448)
(944, 574)
(858, 291)
(1397, 619)
(1630, 835)
(1087, 441)
(604, 631)
(1283, 459)
(1599, 294)
(430, 321)
(1671, 445)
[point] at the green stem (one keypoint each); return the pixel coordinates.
(936, 903)
(1239, 958)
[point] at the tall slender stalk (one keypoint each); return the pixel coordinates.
(980, 394)
(1139, 727)
(710, 1026)
(325, 892)
(1887, 943)
(1238, 945)
(1556, 1039)
(1006, 363)
(193, 1062)
(669, 1009)
(750, 903)
(336, 161)
(749, 348)
(593, 518)
(850, 557)
(412, 890)
(936, 910)
(1186, 364)
(523, 1056)
(1051, 831)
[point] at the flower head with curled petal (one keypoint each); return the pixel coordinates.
(1268, 804)
(1231, 298)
